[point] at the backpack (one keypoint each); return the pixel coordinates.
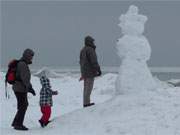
(11, 73)
(10, 77)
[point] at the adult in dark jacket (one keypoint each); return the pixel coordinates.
(89, 68)
(21, 87)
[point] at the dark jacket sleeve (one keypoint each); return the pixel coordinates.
(80, 62)
(93, 59)
(25, 75)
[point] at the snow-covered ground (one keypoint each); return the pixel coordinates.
(69, 99)
(146, 113)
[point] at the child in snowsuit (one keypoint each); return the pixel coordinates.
(46, 94)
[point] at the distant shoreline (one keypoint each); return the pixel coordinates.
(163, 73)
(106, 69)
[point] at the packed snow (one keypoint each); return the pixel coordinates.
(70, 98)
(134, 50)
(145, 113)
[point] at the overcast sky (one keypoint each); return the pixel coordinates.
(56, 30)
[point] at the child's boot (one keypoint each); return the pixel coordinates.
(42, 123)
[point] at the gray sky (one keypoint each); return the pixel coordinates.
(56, 30)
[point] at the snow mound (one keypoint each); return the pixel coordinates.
(49, 73)
(162, 84)
(149, 113)
(174, 82)
(108, 83)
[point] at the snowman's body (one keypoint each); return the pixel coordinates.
(134, 51)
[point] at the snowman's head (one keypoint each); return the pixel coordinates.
(132, 23)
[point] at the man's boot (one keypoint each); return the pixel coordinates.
(20, 127)
(90, 104)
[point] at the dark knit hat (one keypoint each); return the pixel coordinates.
(89, 39)
(28, 53)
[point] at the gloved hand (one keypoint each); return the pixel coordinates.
(81, 78)
(98, 72)
(54, 92)
(32, 92)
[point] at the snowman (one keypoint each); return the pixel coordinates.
(134, 51)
